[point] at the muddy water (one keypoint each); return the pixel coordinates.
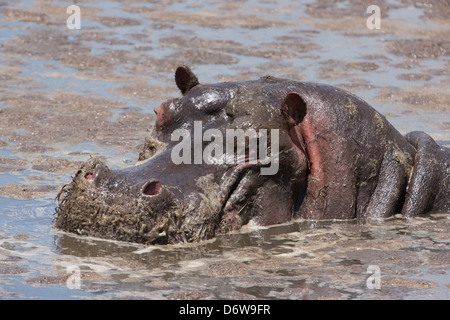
(66, 95)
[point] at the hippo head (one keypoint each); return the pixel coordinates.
(221, 156)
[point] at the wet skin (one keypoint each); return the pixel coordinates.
(338, 159)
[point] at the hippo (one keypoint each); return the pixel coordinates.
(332, 156)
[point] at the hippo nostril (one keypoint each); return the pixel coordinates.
(151, 188)
(89, 176)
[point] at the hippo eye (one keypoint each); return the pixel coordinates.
(151, 188)
(209, 102)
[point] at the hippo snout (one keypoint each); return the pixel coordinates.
(103, 202)
(128, 205)
(101, 176)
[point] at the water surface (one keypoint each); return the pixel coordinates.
(66, 95)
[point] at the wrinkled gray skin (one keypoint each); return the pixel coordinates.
(339, 159)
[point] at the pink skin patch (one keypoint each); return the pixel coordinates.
(313, 148)
(162, 115)
(152, 188)
(89, 176)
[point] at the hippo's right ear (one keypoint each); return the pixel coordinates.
(185, 79)
(293, 109)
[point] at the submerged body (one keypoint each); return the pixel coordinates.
(335, 157)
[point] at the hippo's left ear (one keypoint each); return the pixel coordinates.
(185, 79)
(293, 109)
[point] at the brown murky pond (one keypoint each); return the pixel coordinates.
(68, 94)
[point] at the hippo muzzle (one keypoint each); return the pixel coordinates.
(111, 204)
(98, 204)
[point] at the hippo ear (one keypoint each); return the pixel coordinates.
(294, 109)
(185, 79)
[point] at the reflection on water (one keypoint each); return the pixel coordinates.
(66, 95)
